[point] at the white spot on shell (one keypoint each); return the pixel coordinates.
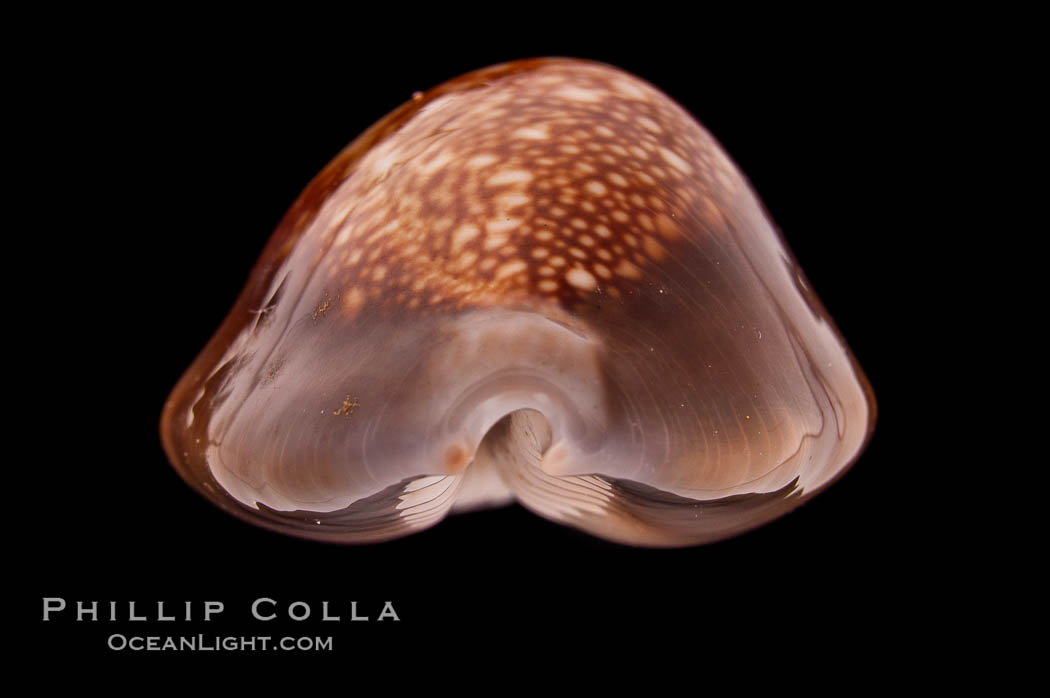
(535, 133)
(596, 188)
(513, 200)
(464, 233)
(502, 226)
(578, 94)
(581, 279)
(547, 285)
(510, 269)
(628, 270)
(353, 300)
(436, 163)
(505, 177)
(649, 125)
(675, 160)
(495, 240)
(483, 160)
(629, 89)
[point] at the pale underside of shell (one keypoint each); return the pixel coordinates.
(543, 282)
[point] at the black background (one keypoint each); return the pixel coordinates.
(178, 153)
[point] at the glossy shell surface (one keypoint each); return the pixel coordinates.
(541, 282)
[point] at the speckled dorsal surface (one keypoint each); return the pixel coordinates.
(544, 282)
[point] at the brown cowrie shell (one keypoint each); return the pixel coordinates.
(542, 281)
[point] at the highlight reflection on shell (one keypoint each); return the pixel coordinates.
(544, 282)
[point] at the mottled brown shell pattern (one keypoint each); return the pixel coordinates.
(544, 282)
